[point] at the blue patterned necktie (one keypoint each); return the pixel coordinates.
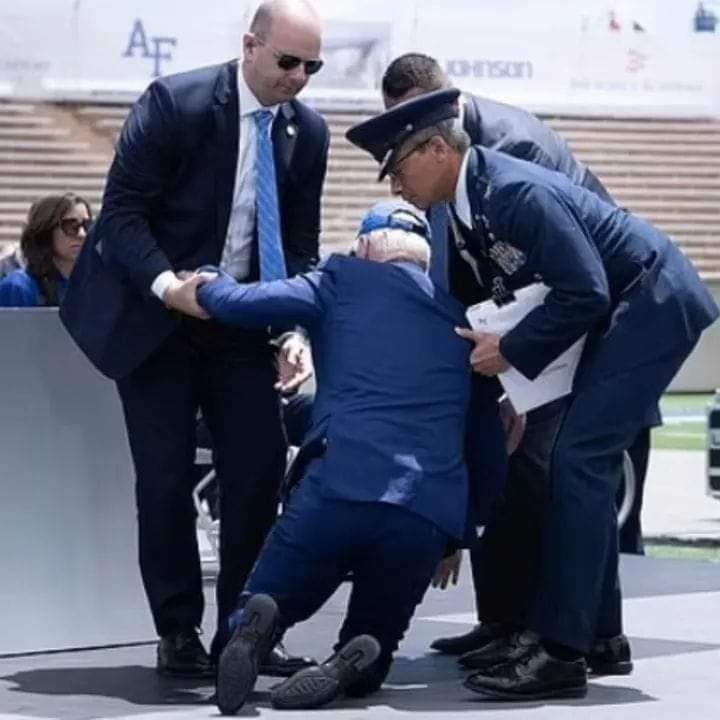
(272, 259)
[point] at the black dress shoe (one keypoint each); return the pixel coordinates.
(610, 656)
(473, 640)
(239, 661)
(501, 650)
(535, 676)
(181, 654)
(319, 685)
(279, 663)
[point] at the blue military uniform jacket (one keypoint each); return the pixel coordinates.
(611, 274)
(393, 379)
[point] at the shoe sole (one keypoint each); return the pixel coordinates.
(278, 672)
(571, 691)
(307, 689)
(238, 667)
(616, 668)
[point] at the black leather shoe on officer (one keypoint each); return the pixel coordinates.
(610, 656)
(479, 636)
(536, 676)
(607, 657)
(500, 650)
(181, 654)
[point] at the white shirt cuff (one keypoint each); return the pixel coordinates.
(162, 282)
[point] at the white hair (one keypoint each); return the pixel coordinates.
(389, 244)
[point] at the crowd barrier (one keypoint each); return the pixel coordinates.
(67, 515)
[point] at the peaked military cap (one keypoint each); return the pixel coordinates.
(383, 135)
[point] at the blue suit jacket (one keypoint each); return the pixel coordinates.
(393, 379)
(610, 274)
(167, 205)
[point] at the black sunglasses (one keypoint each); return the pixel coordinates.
(288, 62)
(71, 226)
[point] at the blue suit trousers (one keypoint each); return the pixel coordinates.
(391, 552)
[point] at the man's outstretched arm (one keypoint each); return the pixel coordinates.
(281, 303)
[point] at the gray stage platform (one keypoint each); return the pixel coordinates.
(672, 615)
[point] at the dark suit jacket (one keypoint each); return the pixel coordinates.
(393, 380)
(167, 204)
(517, 132)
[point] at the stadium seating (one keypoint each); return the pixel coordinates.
(667, 171)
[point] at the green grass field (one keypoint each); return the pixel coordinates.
(683, 552)
(682, 429)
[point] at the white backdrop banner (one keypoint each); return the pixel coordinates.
(642, 57)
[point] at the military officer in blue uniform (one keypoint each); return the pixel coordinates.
(504, 561)
(611, 276)
(386, 486)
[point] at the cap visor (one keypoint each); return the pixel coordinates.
(388, 164)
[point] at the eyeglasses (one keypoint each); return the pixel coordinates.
(396, 169)
(288, 62)
(71, 226)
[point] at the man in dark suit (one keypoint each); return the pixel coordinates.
(505, 560)
(218, 165)
(381, 496)
(610, 277)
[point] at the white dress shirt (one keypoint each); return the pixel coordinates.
(239, 239)
(461, 203)
(238, 242)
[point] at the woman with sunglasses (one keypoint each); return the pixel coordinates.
(51, 241)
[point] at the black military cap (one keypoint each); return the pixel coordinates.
(383, 135)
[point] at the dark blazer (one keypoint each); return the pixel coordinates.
(167, 204)
(610, 274)
(517, 132)
(393, 379)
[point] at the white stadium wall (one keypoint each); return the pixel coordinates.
(631, 57)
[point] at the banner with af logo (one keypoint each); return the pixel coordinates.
(71, 48)
(68, 49)
(645, 57)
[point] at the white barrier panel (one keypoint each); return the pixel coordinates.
(67, 516)
(641, 57)
(701, 371)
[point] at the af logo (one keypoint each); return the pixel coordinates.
(153, 47)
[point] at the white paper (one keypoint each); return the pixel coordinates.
(556, 380)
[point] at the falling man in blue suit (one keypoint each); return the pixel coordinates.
(611, 277)
(385, 485)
